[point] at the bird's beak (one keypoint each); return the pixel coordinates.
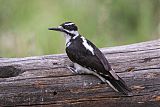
(56, 29)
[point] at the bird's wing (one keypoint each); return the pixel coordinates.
(104, 61)
(86, 59)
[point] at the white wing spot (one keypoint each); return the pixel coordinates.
(87, 46)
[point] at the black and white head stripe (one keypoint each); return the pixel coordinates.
(68, 23)
(70, 26)
(69, 29)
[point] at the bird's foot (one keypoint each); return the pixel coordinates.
(71, 68)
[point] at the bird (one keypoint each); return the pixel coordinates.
(88, 59)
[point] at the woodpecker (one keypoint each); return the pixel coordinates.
(88, 59)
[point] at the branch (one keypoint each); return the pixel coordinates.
(45, 80)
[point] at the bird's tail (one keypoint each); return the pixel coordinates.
(118, 85)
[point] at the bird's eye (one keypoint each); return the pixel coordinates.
(69, 27)
(65, 27)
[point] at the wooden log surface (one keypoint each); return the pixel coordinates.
(45, 80)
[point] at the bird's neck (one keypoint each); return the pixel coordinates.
(69, 37)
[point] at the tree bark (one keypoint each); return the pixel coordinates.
(45, 80)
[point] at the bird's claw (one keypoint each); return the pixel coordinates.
(72, 69)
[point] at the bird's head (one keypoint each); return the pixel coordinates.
(68, 28)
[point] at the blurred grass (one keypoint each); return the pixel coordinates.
(24, 23)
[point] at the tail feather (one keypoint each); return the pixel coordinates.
(118, 85)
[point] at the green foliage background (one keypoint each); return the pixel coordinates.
(24, 23)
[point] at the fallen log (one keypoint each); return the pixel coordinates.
(45, 80)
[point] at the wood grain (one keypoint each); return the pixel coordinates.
(45, 80)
